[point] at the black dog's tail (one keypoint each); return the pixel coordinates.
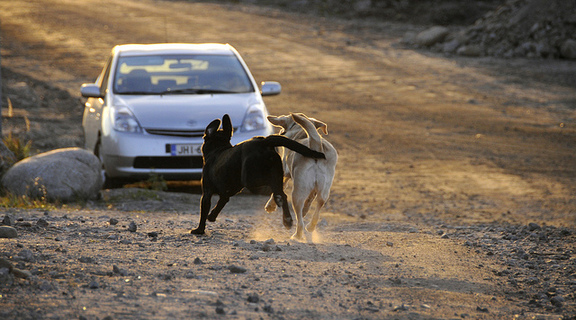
(281, 141)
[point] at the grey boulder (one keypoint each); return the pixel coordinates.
(69, 174)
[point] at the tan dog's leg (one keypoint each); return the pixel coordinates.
(320, 201)
(301, 203)
(298, 205)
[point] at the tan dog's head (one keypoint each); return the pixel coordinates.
(291, 129)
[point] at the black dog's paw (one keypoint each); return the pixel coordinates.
(212, 218)
(197, 231)
(287, 221)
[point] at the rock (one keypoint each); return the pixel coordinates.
(132, 227)
(532, 280)
(113, 221)
(451, 46)
(198, 261)
(253, 298)
(8, 232)
(400, 308)
(113, 237)
(431, 36)
(22, 274)
(568, 49)
(7, 221)
(220, 310)
(66, 175)
(268, 308)
(94, 285)
(42, 223)
(119, 271)
(533, 226)
(46, 286)
(237, 269)
(470, 50)
(86, 259)
(557, 301)
(6, 264)
(482, 309)
(6, 277)
(26, 255)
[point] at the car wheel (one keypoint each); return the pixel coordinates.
(109, 183)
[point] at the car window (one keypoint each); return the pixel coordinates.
(185, 74)
(103, 78)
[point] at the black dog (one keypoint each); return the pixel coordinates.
(250, 164)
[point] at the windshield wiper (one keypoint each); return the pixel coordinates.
(195, 91)
(136, 92)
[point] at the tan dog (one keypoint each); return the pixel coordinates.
(312, 179)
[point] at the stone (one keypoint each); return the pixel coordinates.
(94, 285)
(42, 223)
(66, 175)
(237, 269)
(557, 301)
(7, 221)
(6, 264)
(470, 50)
(253, 298)
(6, 277)
(431, 36)
(132, 227)
(26, 255)
(568, 49)
(8, 232)
(22, 274)
(534, 226)
(451, 46)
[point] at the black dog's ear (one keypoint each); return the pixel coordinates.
(212, 127)
(227, 125)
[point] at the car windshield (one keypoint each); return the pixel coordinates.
(180, 74)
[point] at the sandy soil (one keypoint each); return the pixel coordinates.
(454, 194)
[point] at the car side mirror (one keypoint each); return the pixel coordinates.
(90, 90)
(270, 88)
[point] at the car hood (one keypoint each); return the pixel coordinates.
(186, 112)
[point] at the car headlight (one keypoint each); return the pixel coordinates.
(123, 120)
(254, 119)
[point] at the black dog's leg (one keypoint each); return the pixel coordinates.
(214, 213)
(204, 208)
(282, 201)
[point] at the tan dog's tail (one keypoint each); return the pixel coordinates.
(310, 125)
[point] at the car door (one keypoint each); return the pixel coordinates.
(92, 118)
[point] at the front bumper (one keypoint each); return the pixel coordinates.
(138, 156)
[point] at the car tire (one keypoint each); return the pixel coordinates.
(109, 183)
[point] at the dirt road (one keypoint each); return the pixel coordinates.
(444, 162)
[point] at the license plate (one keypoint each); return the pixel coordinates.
(186, 149)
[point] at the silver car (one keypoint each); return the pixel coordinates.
(147, 111)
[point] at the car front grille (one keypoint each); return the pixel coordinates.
(194, 162)
(177, 133)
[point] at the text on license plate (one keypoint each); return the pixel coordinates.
(186, 149)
